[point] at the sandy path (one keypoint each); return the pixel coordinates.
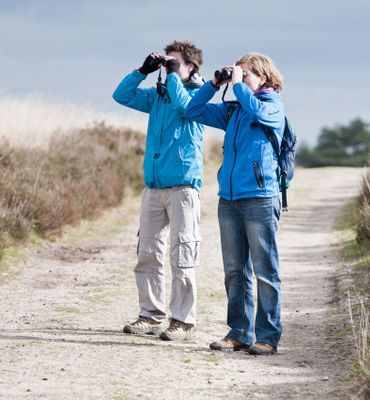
(63, 307)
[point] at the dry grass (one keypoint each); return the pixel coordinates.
(31, 120)
(357, 257)
(363, 227)
(361, 334)
(75, 177)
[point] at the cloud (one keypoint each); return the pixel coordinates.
(80, 49)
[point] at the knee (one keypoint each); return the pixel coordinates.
(150, 254)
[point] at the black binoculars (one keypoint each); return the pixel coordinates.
(155, 62)
(225, 74)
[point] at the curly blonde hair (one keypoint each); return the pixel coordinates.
(262, 65)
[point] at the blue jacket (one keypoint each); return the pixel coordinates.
(174, 149)
(249, 168)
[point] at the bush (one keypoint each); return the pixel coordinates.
(75, 177)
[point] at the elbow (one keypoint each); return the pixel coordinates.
(115, 96)
(118, 97)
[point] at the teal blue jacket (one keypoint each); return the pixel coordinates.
(174, 148)
(250, 167)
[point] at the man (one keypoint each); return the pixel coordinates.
(173, 167)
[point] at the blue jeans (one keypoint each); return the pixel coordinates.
(248, 237)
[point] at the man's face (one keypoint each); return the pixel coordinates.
(185, 69)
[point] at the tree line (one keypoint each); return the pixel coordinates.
(342, 145)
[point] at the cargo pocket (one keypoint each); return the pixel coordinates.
(187, 251)
(146, 245)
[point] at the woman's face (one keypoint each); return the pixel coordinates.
(254, 81)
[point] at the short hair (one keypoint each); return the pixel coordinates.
(190, 53)
(262, 65)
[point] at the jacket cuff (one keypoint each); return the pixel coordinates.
(137, 74)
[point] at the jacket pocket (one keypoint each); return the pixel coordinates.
(258, 174)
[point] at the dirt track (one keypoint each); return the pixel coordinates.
(63, 306)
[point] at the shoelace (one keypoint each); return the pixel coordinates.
(175, 325)
(139, 321)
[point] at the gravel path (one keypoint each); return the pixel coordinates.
(63, 306)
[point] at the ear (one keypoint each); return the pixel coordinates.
(190, 68)
(263, 81)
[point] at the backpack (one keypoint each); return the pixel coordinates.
(285, 154)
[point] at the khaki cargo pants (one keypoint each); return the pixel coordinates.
(175, 210)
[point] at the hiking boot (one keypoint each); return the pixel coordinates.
(228, 344)
(143, 326)
(262, 349)
(177, 331)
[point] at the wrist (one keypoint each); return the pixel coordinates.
(215, 84)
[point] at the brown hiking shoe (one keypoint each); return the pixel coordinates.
(262, 349)
(228, 344)
(177, 331)
(143, 326)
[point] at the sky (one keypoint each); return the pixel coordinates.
(79, 50)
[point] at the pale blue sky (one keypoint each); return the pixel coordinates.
(79, 50)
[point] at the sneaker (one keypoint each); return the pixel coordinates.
(177, 331)
(228, 344)
(262, 349)
(143, 326)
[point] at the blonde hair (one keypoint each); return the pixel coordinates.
(262, 65)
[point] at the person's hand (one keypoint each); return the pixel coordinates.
(237, 74)
(151, 64)
(172, 65)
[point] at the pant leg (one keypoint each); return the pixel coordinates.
(149, 271)
(184, 214)
(238, 273)
(262, 216)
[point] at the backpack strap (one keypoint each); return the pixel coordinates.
(232, 105)
(275, 145)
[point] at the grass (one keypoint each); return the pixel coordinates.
(30, 121)
(356, 257)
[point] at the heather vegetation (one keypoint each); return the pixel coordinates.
(72, 175)
(42, 189)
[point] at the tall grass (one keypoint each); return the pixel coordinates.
(31, 120)
(357, 257)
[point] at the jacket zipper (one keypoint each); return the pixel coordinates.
(258, 174)
(232, 169)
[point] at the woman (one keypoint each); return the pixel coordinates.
(249, 206)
